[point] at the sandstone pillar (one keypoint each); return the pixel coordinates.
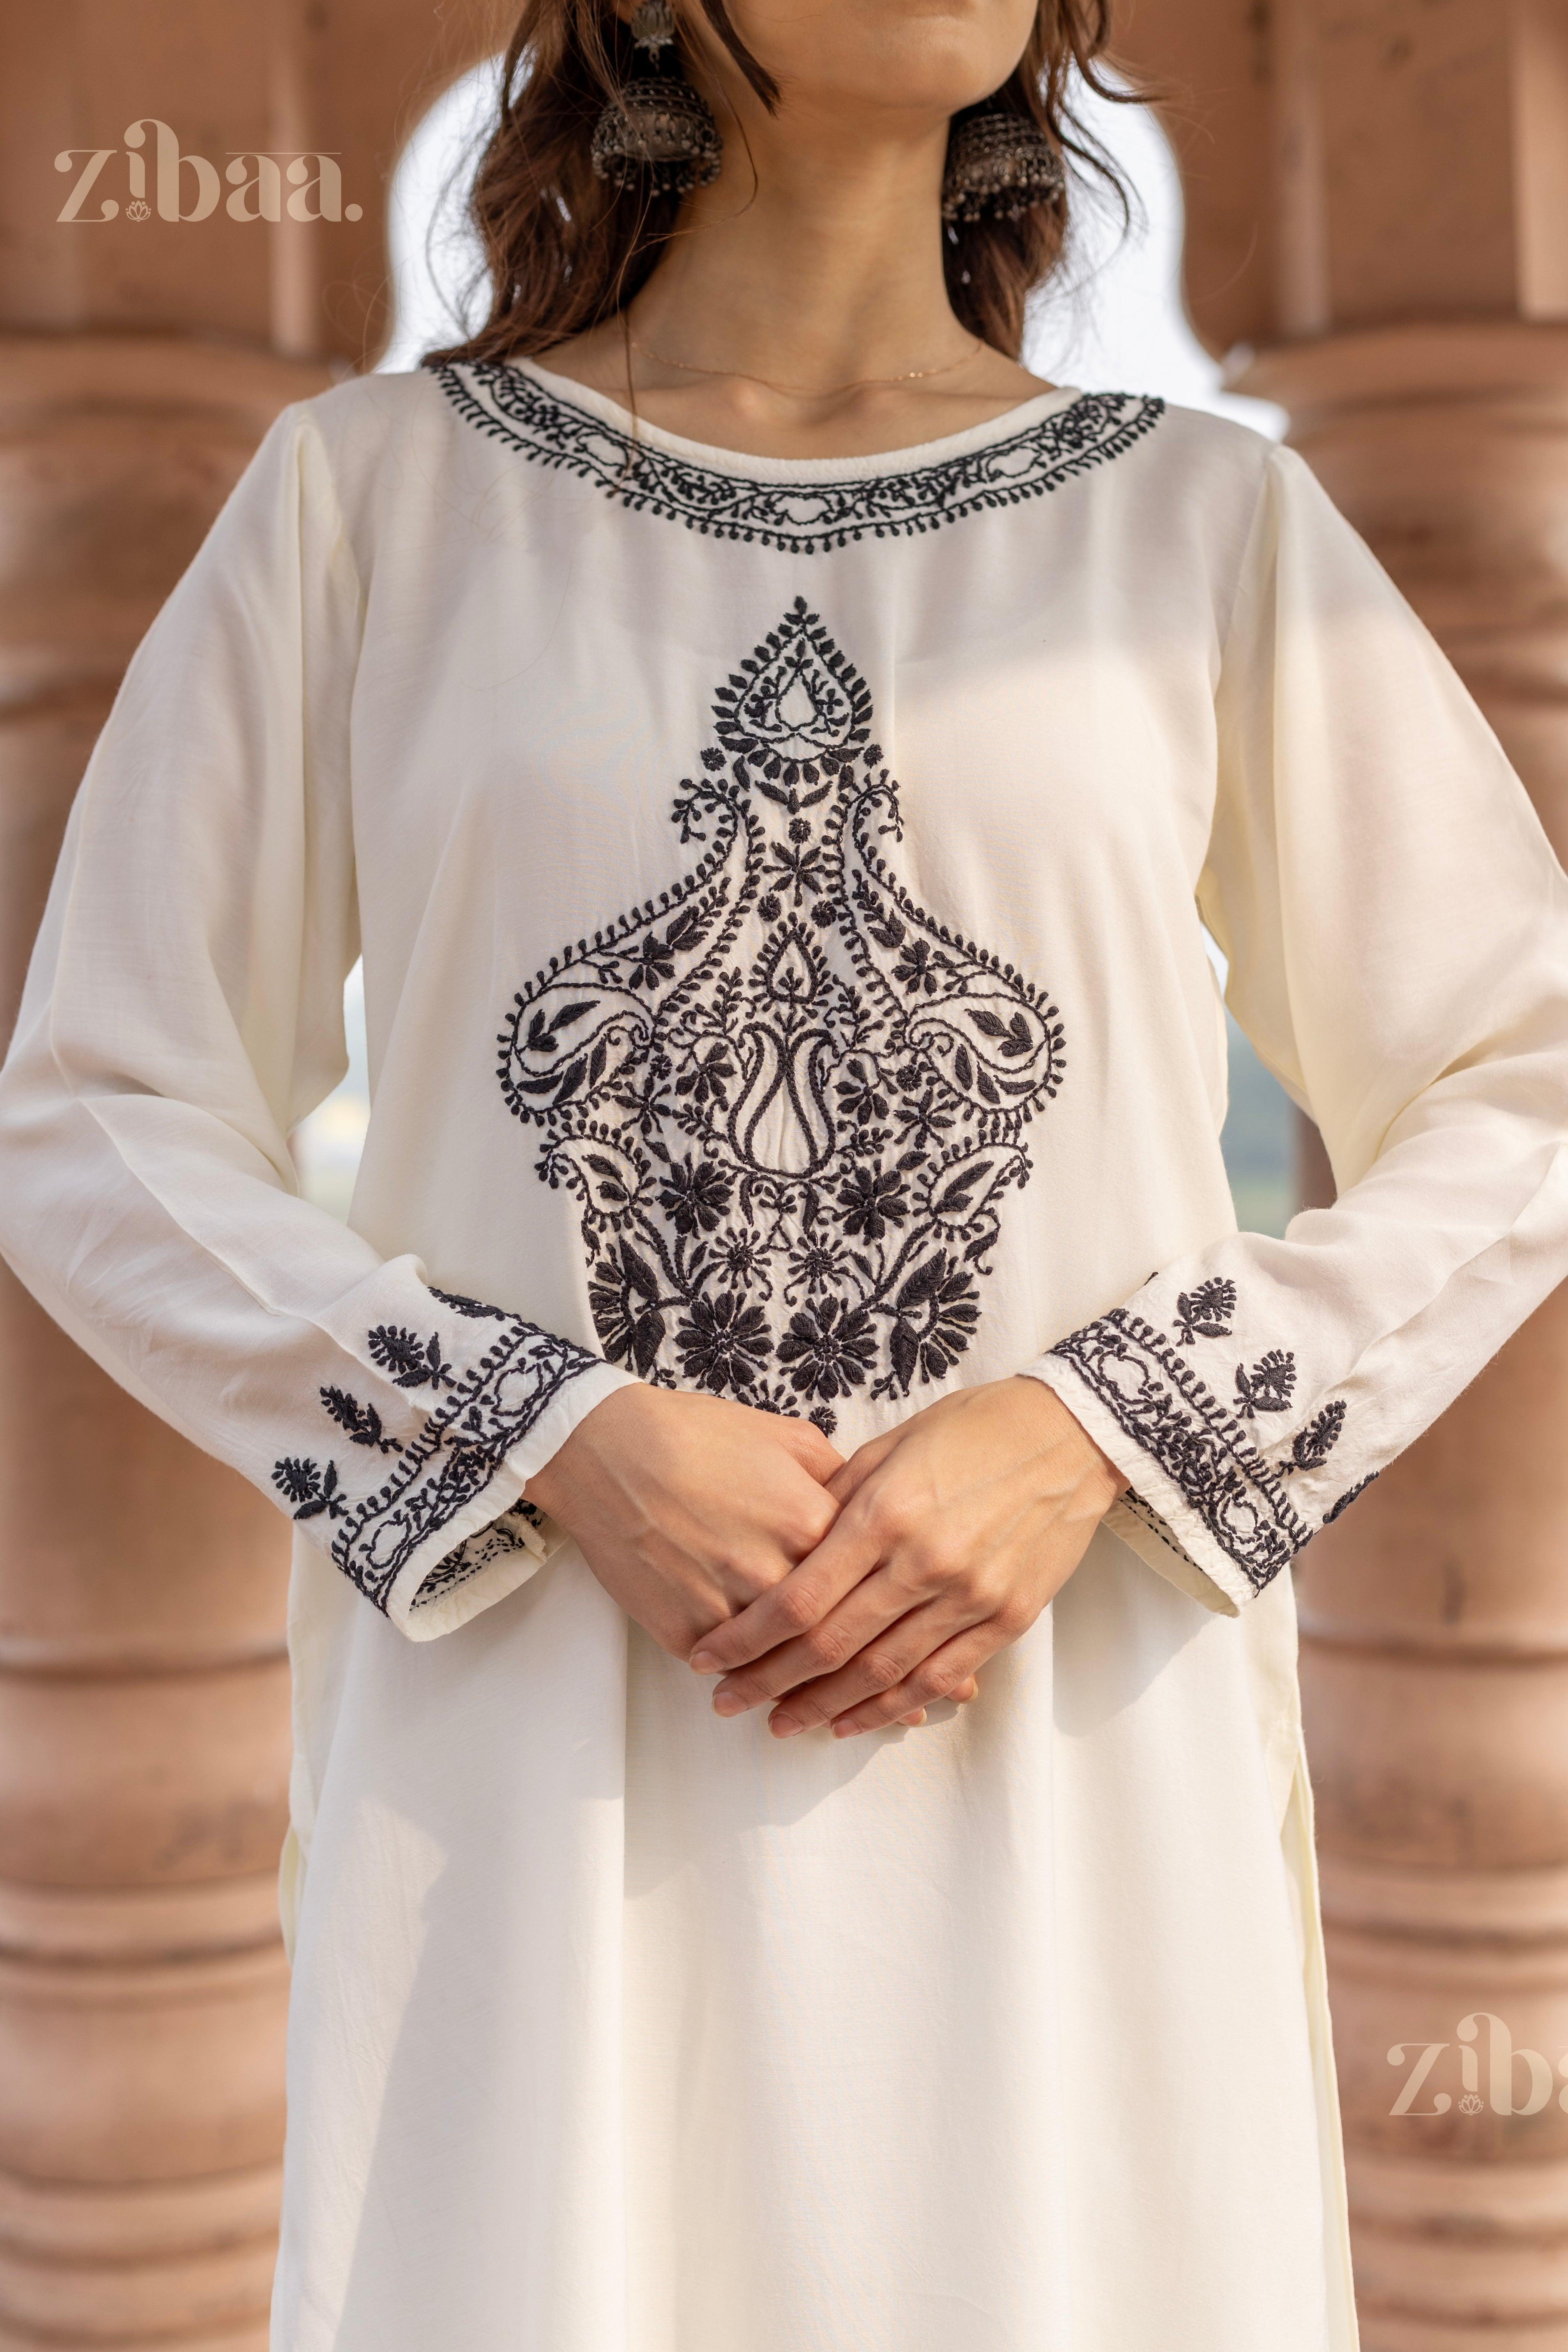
(144, 1700)
(1434, 1615)
(1378, 206)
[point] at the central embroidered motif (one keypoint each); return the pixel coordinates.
(787, 1099)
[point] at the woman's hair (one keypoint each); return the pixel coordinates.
(562, 250)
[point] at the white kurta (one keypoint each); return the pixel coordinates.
(781, 889)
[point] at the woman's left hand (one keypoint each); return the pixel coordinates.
(955, 1531)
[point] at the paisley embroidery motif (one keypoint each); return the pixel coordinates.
(787, 1099)
(1312, 1445)
(805, 516)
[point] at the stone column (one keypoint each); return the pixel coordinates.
(1378, 207)
(1434, 1614)
(143, 1681)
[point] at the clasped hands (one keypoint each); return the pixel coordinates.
(844, 1592)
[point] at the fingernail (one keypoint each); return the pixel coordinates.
(730, 1703)
(703, 1662)
(784, 1727)
(844, 1730)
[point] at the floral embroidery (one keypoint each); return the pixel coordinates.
(309, 1487)
(1157, 1398)
(450, 1458)
(362, 1421)
(1313, 1444)
(805, 516)
(500, 1540)
(788, 1100)
(1204, 1313)
(1268, 1387)
(411, 1362)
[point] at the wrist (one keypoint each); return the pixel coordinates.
(606, 1424)
(1061, 1427)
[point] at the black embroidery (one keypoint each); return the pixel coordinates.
(1314, 1444)
(449, 1459)
(455, 1454)
(411, 1362)
(1268, 1387)
(312, 1488)
(1157, 1398)
(1347, 1498)
(787, 1098)
(500, 1540)
(1148, 1517)
(1204, 1313)
(474, 1310)
(362, 1421)
(805, 516)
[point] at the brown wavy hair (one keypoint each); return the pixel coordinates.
(562, 251)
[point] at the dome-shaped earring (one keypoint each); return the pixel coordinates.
(657, 133)
(999, 166)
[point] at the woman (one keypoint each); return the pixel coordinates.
(778, 757)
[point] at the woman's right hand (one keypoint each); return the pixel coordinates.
(687, 1508)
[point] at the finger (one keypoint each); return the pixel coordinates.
(937, 1677)
(916, 1719)
(861, 1462)
(878, 1602)
(887, 1664)
(847, 1552)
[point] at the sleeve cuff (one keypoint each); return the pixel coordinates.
(1205, 1510)
(495, 1542)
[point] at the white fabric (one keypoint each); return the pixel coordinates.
(778, 888)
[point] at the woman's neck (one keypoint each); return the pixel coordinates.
(797, 292)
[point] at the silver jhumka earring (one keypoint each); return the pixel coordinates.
(999, 166)
(659, 132)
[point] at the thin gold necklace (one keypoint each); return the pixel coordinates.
(808, 391)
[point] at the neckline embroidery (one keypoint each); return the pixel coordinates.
(803, 516)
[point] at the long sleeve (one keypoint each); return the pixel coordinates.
(1396, 928)
(183, 1011)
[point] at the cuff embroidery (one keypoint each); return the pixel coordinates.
(1162, 1405)
(515, 1530)
(477, 1416)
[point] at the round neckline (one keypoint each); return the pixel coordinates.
(747, 466)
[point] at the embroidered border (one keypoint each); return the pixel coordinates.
(804, 518)
(498, 1541)
(480, 1414)
(1156, 1397)
(456, 1453)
